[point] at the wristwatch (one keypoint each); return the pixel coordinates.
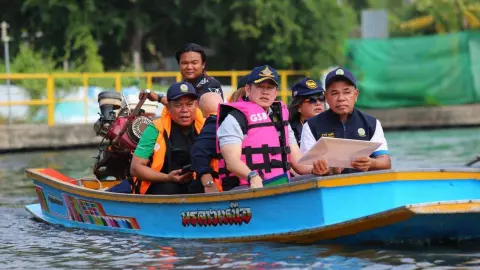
(251, 175)
(209, 183)
(160, 96)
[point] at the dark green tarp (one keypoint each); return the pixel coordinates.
(417, 71)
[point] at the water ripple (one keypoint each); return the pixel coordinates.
(26, 244)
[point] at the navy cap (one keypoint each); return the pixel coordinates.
(242, 82)
(180, 89)
(307, 87)
(338, 74)
(263, 73)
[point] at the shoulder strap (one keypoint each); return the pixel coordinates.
(168, 152)
(241, 119)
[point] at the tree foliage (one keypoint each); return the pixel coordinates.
(88, 35)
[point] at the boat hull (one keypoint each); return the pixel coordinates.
(366, 208)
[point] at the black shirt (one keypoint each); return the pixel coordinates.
(205, 84)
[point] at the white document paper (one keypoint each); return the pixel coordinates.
(339, 152)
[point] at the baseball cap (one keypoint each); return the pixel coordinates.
(242, 82)
(340, 73)
(180, 89)
(263, 73)
(190, 47)
(307, 87)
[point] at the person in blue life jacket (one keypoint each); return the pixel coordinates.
(308, 100)
(344, 121)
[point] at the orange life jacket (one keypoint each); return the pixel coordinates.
(164, 127)
(214, 166)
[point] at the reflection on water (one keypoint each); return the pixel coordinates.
(25, 243)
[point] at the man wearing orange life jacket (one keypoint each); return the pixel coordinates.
(164, 148)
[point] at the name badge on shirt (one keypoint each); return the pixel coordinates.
(331, 135)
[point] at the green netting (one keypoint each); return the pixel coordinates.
(418, 71)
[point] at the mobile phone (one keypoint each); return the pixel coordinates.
(186, 169)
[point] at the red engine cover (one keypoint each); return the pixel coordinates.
(124, 141)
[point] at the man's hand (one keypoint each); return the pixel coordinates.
(363, 163)
(174, 176)
(212, 189)
(152, 96)
(335, 170)
(320, 167)
(256, 182)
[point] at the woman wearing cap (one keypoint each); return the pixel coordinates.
(240, 92)
(192, 61)
(308, 101)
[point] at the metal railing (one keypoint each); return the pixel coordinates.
(50, 78)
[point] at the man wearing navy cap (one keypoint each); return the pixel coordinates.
(255, 140)
(308, 101)
(164, 147)
(342, 120)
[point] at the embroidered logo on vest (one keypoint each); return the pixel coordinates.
(361, 132)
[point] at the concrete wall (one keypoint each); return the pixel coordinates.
(428, 117)
(30, 137)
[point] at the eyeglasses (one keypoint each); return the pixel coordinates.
(313, 100)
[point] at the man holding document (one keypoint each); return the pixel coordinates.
(343, 121)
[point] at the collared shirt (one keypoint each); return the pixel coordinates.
(205, 84)
(359, 126)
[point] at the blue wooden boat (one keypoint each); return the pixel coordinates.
(374, 207)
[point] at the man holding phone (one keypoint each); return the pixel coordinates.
(160, 163)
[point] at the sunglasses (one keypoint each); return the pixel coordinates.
(313, 100)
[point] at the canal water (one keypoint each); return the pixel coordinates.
(27, 244)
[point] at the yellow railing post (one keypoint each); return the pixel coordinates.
(149, 82)
(283, 85)
(118, 82)
(234, 80)
(85, 96)
(51, 100)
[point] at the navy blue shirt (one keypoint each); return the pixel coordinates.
(204, 148)
(358, 126)
(328, 124)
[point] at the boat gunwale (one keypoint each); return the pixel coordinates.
(303, 185)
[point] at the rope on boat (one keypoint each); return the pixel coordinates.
(473, 161)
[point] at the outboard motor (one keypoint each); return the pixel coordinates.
(122, 127)
(109, 102)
